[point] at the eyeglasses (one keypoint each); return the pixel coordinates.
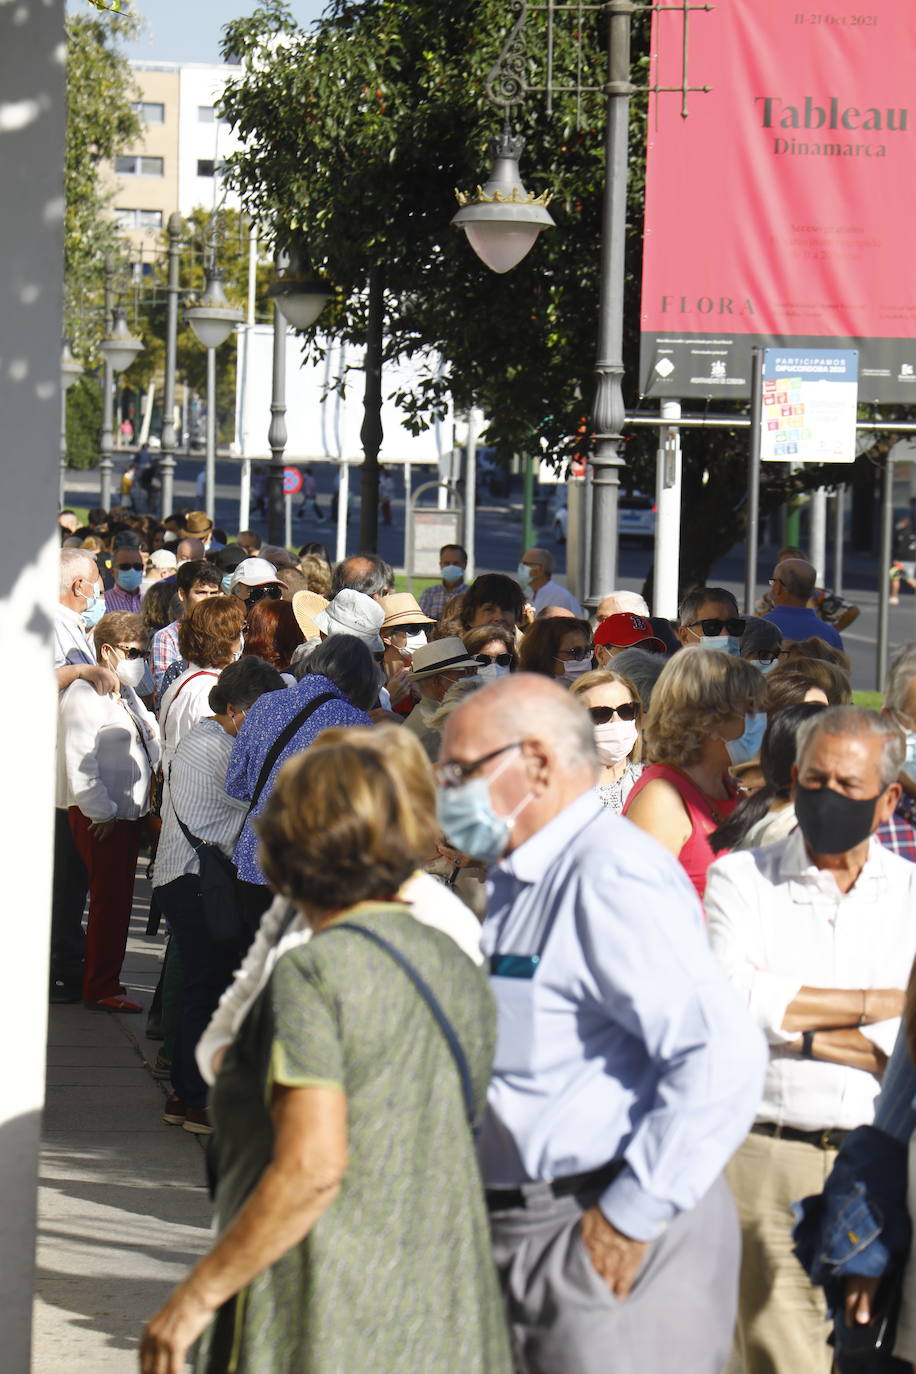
(408, 629)
(602, 715)
(451, 773)
(504, 660)
(270, 592)
(735, 625)
(776, 581)
(132, 652)
(768, 658)
(577, 654)
(133, 567)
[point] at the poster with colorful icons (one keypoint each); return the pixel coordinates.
(808, 405)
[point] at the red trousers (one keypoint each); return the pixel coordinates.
(111, 865)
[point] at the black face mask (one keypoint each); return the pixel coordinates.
(830, 822)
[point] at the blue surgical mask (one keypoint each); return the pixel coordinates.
(128, 579)
(226, 583)
(726, 644)
(451, 574)
(95, 608)
(490, 671)
(469, 822)
(747, 745)
(909, 762)
(765, 667)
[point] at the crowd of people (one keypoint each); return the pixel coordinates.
(527, 968)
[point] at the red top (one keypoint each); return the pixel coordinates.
(704, 812)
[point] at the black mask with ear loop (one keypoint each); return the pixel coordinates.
(830, 822)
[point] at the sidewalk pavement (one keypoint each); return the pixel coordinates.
(123, 1209)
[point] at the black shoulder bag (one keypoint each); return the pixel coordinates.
(226, 924)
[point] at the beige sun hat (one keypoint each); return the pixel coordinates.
(306, 606)
(402, 609)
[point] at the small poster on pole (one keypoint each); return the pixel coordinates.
(808, 405)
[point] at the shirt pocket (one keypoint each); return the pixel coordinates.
(515, 1038)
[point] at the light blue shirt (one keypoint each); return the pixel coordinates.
(628, 1043)
(895, 1109)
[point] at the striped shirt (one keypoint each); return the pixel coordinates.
(433, 600)
(894, 1111)
(116, 600)
(163, 652)
(197, 791)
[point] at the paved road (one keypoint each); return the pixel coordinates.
(499, 534)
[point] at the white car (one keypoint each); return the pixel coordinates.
(635, 518)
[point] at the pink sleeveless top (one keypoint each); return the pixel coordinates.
(704, 813)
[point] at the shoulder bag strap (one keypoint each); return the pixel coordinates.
(201, 672)
(280, 743)
(429, 997)
(195, 843)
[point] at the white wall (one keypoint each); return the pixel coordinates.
(32, 101)
(202, 84)
(320, 422)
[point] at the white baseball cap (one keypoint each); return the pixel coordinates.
(254, 572)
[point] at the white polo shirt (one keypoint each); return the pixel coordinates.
(778, 924)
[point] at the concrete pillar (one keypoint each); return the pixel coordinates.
(32, 111)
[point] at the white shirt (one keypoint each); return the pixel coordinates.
(107, 748)
(197, 790)
(430, 902)
(185, 703)
(71, 643)
(552, 594)
(778, 924)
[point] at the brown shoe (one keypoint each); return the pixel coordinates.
(197, 1121)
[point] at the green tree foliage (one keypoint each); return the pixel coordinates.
(100, 124)
(356, 134)
(84, 423)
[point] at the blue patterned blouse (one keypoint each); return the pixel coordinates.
(264, 722)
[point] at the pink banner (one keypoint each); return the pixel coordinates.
(782, 209)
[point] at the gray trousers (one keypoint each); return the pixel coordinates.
(679, 1317)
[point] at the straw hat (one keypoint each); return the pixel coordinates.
(306, 606)
(402, 609)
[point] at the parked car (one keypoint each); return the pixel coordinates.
(635, 517)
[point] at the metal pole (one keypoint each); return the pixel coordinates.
(370, 434)
(475, 418)
(666, 583)
(245, 494)
(277, 433)
(528, 536)
(287, 520)
(817, 539)
(884, 562)
(62, 478)
(838, 531)
(169, 437)
(210, 460)
(608, 411)
(106, 464)
(343, 501)
(753, 484)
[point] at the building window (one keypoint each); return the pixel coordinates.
(134, 165)
(138, 219)
(206, 114)
(150, 111)
(208, 166)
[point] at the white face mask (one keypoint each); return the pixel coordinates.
(492, 670)
(615, 740)
(576, 667)
(413, 642)
(130, 671)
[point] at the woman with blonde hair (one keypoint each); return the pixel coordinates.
(706, 716)
(612, 701)
(352, 1228)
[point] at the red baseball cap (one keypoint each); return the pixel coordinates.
(623, 629)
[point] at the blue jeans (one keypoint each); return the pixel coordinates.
(208, 971)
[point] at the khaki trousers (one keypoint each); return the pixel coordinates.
(782, 1318)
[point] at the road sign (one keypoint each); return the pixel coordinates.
(292, 481)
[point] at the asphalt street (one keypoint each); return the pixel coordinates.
(499, 546)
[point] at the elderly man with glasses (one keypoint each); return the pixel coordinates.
(791, 587)
(626, 1070)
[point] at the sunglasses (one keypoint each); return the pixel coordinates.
(409, 629)
(602, 715)
(123, 567)
(504, 660)
(133, 652)
(269, 593)
(583, 651)
(733, 626)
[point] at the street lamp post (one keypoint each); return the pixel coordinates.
(298, 300)
(70, 372)
(169, 438)
(213, 320)
(118, 352)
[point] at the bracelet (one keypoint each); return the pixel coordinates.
(808, 1044)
